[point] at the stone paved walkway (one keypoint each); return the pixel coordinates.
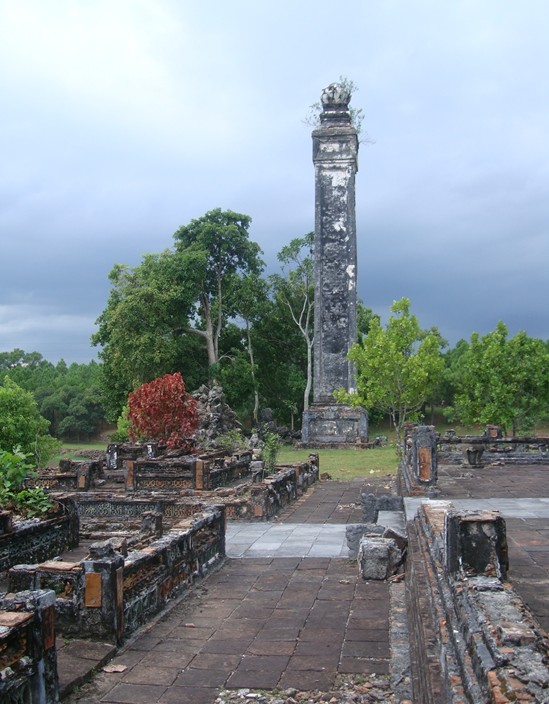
(276, 618)
(266, 619)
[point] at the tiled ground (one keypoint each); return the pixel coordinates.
(264, 621)
(259, 623)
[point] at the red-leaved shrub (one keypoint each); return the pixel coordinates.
(163, 410)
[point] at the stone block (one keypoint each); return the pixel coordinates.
(354, 532)
(378, 558)
(476, 543)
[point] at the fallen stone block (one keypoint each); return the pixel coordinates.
(354, 532)
(378, 558)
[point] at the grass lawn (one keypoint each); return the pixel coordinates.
(69, 449)
(349, 462)
(346, 463)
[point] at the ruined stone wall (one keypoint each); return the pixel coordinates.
(519, 450)
(472, 639)
(111, 593)
(35, 541)
(28, 660)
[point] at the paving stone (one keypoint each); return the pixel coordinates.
(222, 661)
(320, 635)
(235, 645)
(253, 679)
(318, 647)
(365, 649)
(177, 645)
(150, 675)
(263, 663)
(202, 678)
(134, 694)
(378, 635)
(188, 695)
(317, 663)
(175, 660)
(354, 665)
(145, 643)
(306, 680)
(267, 647)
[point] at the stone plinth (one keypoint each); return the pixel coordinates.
(334, 424)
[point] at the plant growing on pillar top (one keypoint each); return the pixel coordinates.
(312, 119)
(164, 411)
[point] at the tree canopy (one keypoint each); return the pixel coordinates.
(22, 428)
(396, 366)
(67, 396)
(500, 380)
(169, 313)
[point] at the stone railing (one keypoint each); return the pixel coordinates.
(203, 473)
(472, 639)
(424, 450)
(486, 449)
(71, 476)
(115, 590)
(33, 540)
(418, 469)
(28, 660)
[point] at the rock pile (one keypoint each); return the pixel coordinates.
(348, 689)
(215, 415)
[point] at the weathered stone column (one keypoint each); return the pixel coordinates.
(335, 151)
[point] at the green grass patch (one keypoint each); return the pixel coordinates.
(348, 462)
(69, 451)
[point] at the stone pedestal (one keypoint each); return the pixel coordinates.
(334, 424)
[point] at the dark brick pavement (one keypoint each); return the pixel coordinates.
(257, 623)
(262, 623)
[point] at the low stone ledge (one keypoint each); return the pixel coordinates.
(471, 636)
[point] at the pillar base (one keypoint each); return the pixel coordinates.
(334, 424)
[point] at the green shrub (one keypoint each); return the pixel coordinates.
(231, 441)
(270, 450)
(14, 469)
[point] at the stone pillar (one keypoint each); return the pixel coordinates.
(103, 595)
(335, 151)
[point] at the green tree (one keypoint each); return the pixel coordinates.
(169, 313)
(250, 304)
(396, 366)
(279, 346)
(295, 291)
(502, 381)
(217, 248)
(57, 387)
(22, 427)
(140, 330)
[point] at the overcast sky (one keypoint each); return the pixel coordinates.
(121, 120)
